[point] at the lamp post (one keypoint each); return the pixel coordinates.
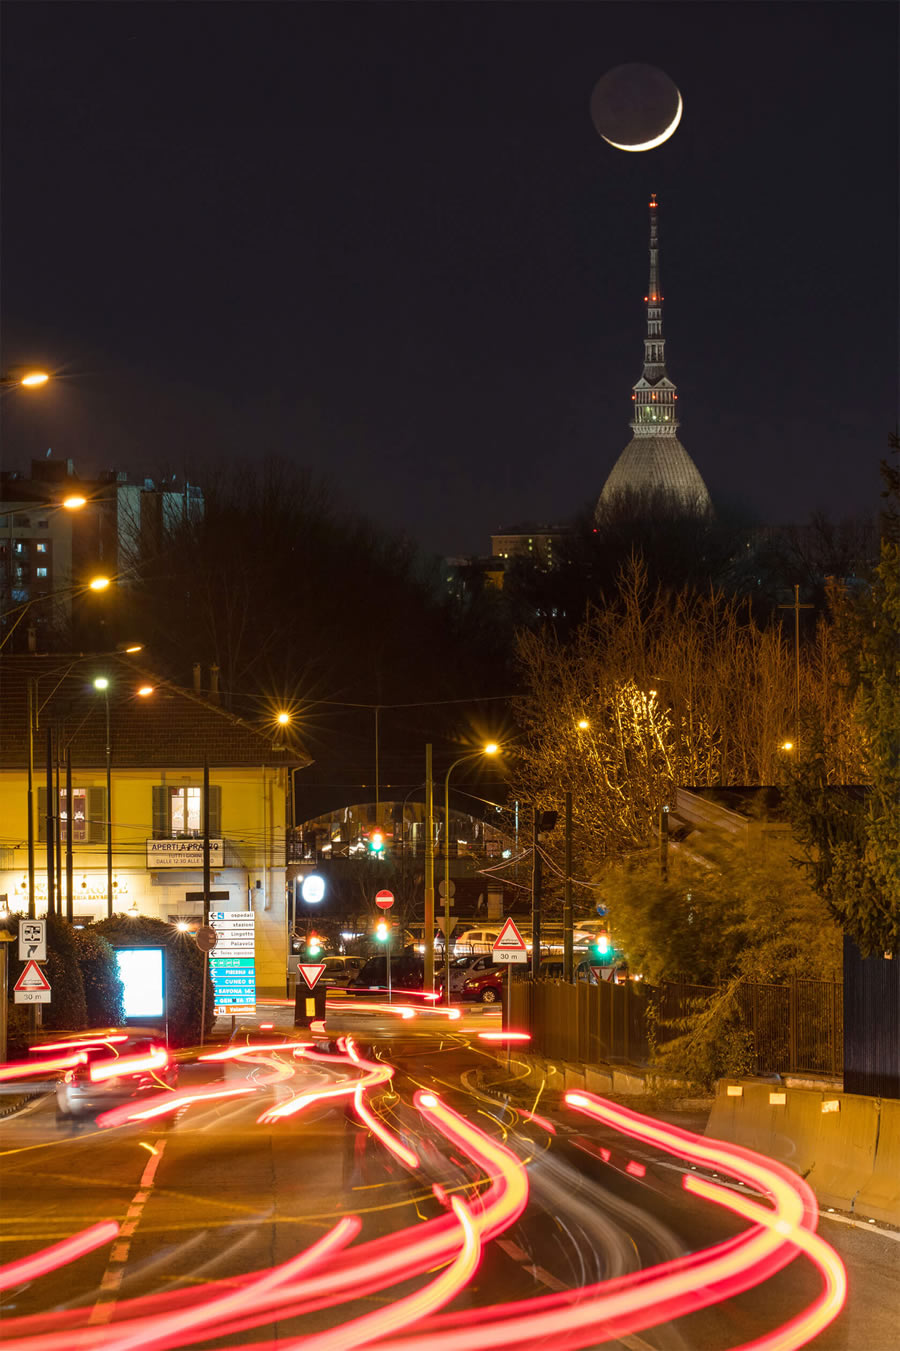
(490, 749)
(101, 683)
(96, 584)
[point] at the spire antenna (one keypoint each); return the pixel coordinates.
(655, 459)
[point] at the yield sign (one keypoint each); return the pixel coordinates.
(311, 971)
(32, 978)
(510, 945)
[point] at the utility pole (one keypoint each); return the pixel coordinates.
(796, 607)
(50, 826)
(535, 895)
(70, 864)
(568, 934)
(377, 787)
(206, 869)
(109, 885)
(57, 834)
(429, 872)
(31, 910)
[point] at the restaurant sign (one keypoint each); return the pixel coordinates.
(182, 853)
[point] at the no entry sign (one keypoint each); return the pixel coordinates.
(384, 899)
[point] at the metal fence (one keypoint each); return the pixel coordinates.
(792, 1028)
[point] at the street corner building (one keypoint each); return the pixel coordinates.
(655, 463)
(53, 728)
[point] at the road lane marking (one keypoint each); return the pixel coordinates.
(102, 1311)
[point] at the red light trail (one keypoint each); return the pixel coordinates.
(447, 1249)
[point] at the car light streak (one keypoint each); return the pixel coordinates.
(405, 1011)
(51, 1259)
(129, 1064)
(829, 1304)
(387, 1137)
(214, 1311)
(402, 1312)
(22, 1068)
(504, 1036)
(78, 1043)
(236, 1052)
(163, 1103)
(331, 1272)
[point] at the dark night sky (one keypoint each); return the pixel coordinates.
(386, 241)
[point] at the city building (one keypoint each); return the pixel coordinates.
(655, 464)
(530, 540)
(47, 550)
(157, 742)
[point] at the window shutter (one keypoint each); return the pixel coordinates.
(97, 815)
(160, 812)
(42, 815)
(215, 811)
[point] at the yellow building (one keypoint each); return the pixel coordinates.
(157, 745)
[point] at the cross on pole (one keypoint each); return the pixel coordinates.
(796, 607)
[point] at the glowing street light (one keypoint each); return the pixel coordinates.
(101, 683)
(491, 748)
(99, 583)
(582, 724)
(283, 718)
(34, 379)
(74, 502)
(145, 691)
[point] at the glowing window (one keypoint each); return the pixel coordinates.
(79, 815)
(185, 811)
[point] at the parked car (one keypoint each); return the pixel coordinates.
(476, 940)
(468, 965)
(341, 970)
(77, 1094)
(486, 986)
(407, 973)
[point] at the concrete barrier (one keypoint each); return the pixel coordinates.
(846, 1146)
(845, 1156)
(879, 1195)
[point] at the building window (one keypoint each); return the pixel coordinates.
(42, 548)
(185, 811)
(79, 815)
(88, 815)
(18, 547)
(41, 572)
(178, 812)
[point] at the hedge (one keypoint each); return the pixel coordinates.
(184, 970)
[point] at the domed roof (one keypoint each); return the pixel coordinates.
(657, 464)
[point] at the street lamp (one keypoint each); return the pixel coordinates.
(101, 683)
(30, 380)
(490, 749)
(96, 584)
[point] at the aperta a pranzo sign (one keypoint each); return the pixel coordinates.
(182, 853)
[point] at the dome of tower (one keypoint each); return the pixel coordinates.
(651, 465)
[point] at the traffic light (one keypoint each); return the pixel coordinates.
(601, 945)
(313, 945)
(376, 842)
(382, 931)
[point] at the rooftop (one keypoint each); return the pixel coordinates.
(173, 728)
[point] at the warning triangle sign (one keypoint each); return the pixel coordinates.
(509, 939)
(311, 971)
(32, 978)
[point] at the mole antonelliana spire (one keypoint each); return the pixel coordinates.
(655, 462)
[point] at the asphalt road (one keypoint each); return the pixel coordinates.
(216, 1194)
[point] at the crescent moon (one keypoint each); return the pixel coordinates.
(657, 140)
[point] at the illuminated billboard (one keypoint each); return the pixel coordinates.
(142, 973)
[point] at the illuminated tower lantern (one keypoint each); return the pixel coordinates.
(655, 462)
